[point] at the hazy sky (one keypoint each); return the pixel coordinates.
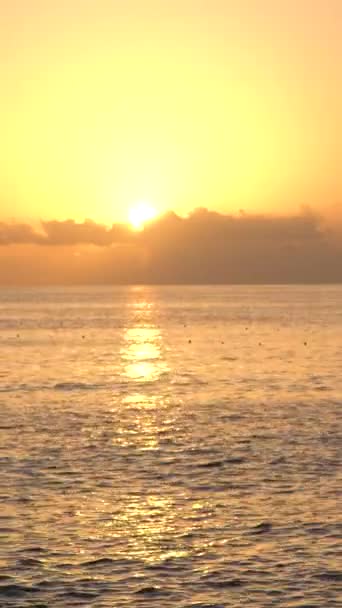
(226, 104)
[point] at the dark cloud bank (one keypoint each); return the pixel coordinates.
(206, 247)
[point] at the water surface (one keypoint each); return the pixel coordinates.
(175, 446)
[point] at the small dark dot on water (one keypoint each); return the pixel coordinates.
(189, 341)
(18, 335)
(222, 342)
(83, 337)
(260, 343)
(305, 343)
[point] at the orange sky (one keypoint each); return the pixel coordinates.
(227, 104)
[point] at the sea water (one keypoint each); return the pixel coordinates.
(171, 446)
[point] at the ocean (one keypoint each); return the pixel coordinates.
(171, 446)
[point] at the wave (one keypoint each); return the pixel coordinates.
(14, 590)
(74, 386)
(59, 386)
(78, 386)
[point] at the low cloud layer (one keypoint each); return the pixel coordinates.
(206, 247)
(64, 233)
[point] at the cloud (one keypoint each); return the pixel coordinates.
(71, 233)
(18, 233)
(205, 247)
(210, 247)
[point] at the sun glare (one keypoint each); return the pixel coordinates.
(140, 214)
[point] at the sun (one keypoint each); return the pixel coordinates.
(140, 214)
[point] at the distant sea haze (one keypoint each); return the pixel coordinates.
(204, 248)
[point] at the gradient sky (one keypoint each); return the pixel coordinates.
(226, 104)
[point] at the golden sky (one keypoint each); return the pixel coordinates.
(226, 104)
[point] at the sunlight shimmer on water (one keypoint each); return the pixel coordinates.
(141, 353)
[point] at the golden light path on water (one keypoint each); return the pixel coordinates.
(149, 519)
(147, 523)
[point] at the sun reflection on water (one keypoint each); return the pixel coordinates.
(142, 354)
(141, 424)
(142, 520)
(145, 526)
(148, 521)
